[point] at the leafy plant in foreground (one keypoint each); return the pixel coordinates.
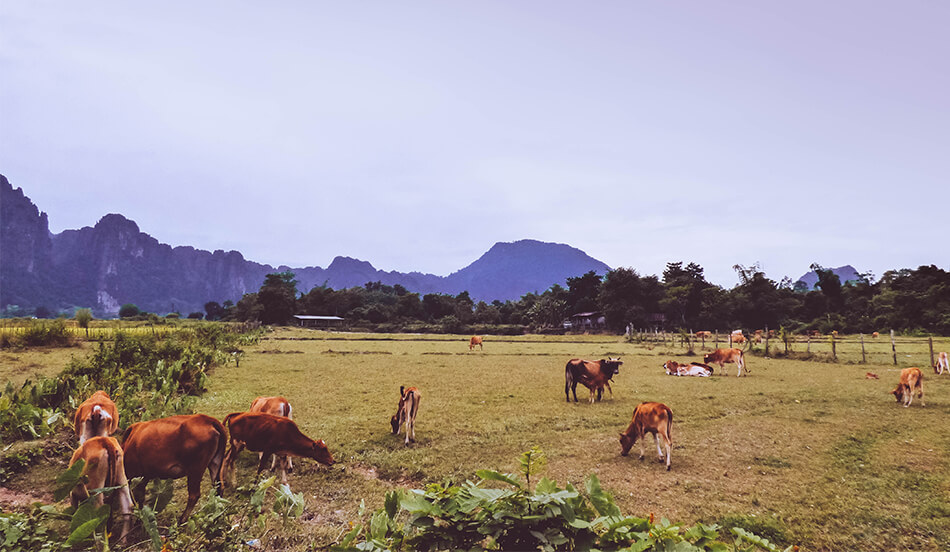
(473, 516)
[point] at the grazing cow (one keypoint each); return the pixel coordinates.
(870, 375)
(103, 467)
(738, 339)
(704, 334)
(674, 368)
(278, 406)
(174, 447)
(406, 412)
(595, 375)
(269, 434)
(476, 340)
(875, 335)
(816, 333)
(649, 417)
(834, 333)
(942, 364)
(912, 379)
(723, 356)
(758, 336)
(96, 417)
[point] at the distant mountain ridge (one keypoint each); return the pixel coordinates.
(114, 262)
(846, 273)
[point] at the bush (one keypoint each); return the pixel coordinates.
(129, 310)
(516, 517)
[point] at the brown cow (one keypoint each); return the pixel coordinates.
(476, 340)
(723, 356)
(942, 364)
(649, 417)
(704, 334)
(875, 335)
(912, 379)
(595, 375)
(96, 417)
(406, 412)
(173, 447)
(103, 467)
(260, 432)
(738, 338)
(278, 406)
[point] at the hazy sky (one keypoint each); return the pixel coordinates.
(414, 135)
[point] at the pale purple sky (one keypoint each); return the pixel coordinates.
(414, 135)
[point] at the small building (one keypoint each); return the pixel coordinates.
(588, 321)
(310, 321)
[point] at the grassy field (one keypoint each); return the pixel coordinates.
(808, 453)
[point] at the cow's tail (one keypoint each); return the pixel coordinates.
(218, 458)
(742, 360)
(669, 422)
(568, 379)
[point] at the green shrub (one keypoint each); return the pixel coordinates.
(516, 517)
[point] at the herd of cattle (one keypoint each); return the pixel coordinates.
(188, 445)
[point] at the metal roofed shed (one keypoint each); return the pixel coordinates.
(311, 321)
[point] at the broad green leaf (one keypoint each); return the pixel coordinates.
(379, 526)
(545, 486)
(492, 475)
(150, 525)
(84, 531)
(87, 511)
(68, 480)
(392, 504)
(602, 501)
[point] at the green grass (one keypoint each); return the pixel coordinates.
(810, 453)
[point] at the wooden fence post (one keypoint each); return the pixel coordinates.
(931, 341)
(834, 350)
(864, 359)
(893, 348)
(766, 340)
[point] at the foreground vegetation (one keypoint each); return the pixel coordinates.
(799, 452)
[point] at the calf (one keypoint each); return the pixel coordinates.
(912, 379)
(406, 412)
(96, 417)
(174, 447)
(674, 368)
(103, 467)
(595, 375)
(649, 417)
(942, 364)
(278, 406)
(476, 340)
(724, 356)
(269, 434)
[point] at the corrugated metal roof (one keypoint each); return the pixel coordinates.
(310, 317)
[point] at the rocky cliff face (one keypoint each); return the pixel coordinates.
(114, 262)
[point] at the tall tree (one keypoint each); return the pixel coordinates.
(277, 297)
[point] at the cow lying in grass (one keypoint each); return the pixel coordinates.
(595, 375)
(674, 368)
(96, 417)
(912, 379)
(104, 467)
(649, 417)
(406, 412)
(269, 434)
(174, 447)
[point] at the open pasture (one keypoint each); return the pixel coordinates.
(802, 452)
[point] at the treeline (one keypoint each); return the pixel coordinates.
(910, 301)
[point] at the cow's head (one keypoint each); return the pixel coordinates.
(626, 441)
(670, 367)
(395, 423)
(611, 366)
(898, 392)
(707, 358)
(321, 453)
